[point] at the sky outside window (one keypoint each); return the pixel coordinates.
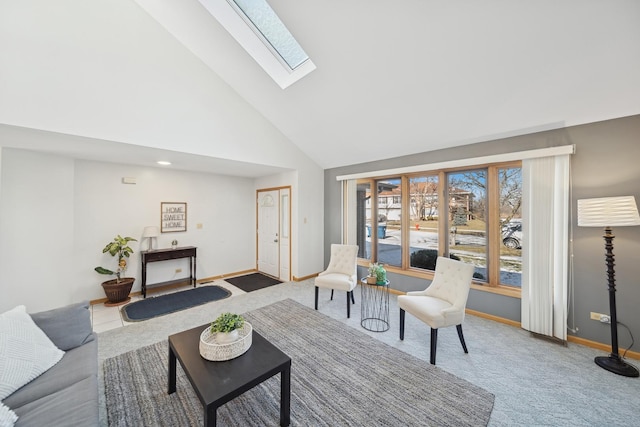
(272, 30)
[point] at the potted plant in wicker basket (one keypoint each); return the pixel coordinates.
(228, 337)
(226, 327)
(117, 290)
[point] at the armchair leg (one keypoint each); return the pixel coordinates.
(353, 300)
(402, 324)
(348, 304)
(464, 346)
(331, 294)
(316, 297)
(434, 342)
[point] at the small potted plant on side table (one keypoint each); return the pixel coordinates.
(377, 274)
(117, 290)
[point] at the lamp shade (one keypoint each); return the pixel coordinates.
(150, 231)
(608, 212)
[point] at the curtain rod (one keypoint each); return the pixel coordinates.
(496, 158)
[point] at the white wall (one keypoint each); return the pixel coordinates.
(66, 70)
(57, 214)
(37, 256)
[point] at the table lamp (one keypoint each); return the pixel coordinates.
(150, 232)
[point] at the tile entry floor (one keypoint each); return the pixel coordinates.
(105, 318)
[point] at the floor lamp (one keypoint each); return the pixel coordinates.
(608, 212)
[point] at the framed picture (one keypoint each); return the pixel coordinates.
(173, 217)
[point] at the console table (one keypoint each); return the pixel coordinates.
(165, 255)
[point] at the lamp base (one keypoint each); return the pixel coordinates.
(616, 365)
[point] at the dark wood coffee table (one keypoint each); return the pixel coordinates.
(216, 383)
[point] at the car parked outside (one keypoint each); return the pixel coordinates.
(512, 234)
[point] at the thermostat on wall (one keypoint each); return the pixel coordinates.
(128, 180)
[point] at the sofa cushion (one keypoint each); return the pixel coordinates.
(76, 365)
(68, 327)
(76, 405)
(7, 416)
(25, 350)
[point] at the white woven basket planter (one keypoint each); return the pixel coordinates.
(211, 350)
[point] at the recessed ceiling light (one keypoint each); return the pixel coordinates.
(163, 162)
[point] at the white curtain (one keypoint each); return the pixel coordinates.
(546, 247)
(349, 209)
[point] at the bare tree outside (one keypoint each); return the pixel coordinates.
(424, 197)
(510, 194)
(467, 191)
(510, 181)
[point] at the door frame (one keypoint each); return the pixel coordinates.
(289, 230)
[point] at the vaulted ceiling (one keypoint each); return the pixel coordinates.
(400, 77)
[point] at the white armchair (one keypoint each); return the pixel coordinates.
(341, 274)
(443, 303)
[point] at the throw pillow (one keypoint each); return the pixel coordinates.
(25, 351)
(67, 327)
(7, 417)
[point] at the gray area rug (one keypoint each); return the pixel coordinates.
(340, 377)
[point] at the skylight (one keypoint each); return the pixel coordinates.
(272, 30)
(257, 28)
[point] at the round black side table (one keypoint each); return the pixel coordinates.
(374, 304)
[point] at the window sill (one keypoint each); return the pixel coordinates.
(500, 290)
(508, 291)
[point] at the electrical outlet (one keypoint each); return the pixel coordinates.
(604, 318)
(178, 270)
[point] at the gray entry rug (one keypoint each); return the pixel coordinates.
(339, 377)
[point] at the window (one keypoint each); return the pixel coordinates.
(467, 196)
(510, 182)
(389, 222)
(257, 28)
(471, 214)
(363, 220)
(424, 217)
(272, 31)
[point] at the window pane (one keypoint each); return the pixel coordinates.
(423, 211)
(389, 222)
(267, 23)
(510, 181)
(363, 212)
(467, 193)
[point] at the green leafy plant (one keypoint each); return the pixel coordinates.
(118, 247)
(227, 322)
(377, 270)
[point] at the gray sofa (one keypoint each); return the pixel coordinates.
(66, 394)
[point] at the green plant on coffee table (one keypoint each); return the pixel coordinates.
(227, 322)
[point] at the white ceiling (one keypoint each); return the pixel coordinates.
(407, 76)
(115, 152)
